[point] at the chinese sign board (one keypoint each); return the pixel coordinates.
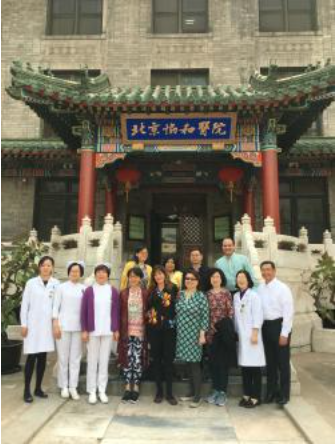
(178, 129)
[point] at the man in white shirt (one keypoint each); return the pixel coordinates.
(278, 309)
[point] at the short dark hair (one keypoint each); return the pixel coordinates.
(137, 250)
(174, 259)
(137, 271)
(76, 264)
(271, 263)
(195, 274)
(213, 271)
(102, 267)
(44, 259)
(248, 277)
(196, 249)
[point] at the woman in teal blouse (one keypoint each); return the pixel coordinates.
(192, 323)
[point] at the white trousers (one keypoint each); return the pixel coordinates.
(98, 355)
(69, 349)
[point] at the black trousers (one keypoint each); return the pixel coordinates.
(252, 381)
(218, 368)
(41, 360)
(162, 350)
(195, 378)
(277, 359)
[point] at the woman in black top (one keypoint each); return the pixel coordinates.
(162, 331)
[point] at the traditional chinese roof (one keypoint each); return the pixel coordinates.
(296, 100)
(35, 148)
(312, 148)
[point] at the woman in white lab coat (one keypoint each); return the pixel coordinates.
(67, 329)
(36, 325)
(248, 322)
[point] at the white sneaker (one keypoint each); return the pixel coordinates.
(92, 398)
(65, 393)
(103, 398)
(74, 394)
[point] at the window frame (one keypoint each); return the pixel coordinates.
(285, 16)
(293, 196)
(179, 19)
(76, 23)
(179, 73)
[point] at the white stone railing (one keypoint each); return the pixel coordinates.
(92, 247)
(268, 244)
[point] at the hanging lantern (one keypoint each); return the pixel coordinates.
(230, 175)
(128, 177)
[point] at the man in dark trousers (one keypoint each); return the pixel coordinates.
(277, 302)
(196, 263)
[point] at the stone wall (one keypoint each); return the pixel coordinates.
(127, 50)
(17, 196)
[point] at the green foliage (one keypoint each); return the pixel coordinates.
(18, 265)
(322, 287)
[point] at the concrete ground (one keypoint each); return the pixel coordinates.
(55, 421)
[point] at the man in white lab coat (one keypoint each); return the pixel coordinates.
(278, 310)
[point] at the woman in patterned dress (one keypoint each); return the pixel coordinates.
(220, 305)
(192, 322)
(162, 331)
(132, 346)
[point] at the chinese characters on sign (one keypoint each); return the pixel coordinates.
(178, 128)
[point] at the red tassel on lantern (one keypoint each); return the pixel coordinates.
(229, 175)
(128, 177)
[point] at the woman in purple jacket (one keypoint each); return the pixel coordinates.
(100, 323)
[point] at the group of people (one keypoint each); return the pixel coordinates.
(161, 315)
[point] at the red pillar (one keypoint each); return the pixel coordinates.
(270, 185)
(110, 200)
(87, 185)
(249, 203)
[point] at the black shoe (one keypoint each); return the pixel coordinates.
(127, 396)
(27, 397)
(243, 402)
(282, 401)
(158, 398)
(251, 404)
(40, 394)
(171, 400)
(134, 397)
(269, 398)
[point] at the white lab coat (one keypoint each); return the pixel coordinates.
(36, 315)
(248, 314)
(66, 308)
(67, 305)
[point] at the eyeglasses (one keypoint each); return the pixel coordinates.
(190, 279)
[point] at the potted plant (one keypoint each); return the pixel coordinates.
(322, 287)
(18, 265)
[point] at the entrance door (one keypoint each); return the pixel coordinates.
(177, 226)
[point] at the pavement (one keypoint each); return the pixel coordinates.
(55, 421)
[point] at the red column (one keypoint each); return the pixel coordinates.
(270, 185)
(110, 200)
(249, 203)
(87, 185)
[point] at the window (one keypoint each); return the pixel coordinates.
(180, 77)
(74, 17)
(283, 72)
(180, 16)
(304, 202)
(46, 129)
(56, 202)
(287, 15)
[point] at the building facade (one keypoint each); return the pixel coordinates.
(169, 195)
